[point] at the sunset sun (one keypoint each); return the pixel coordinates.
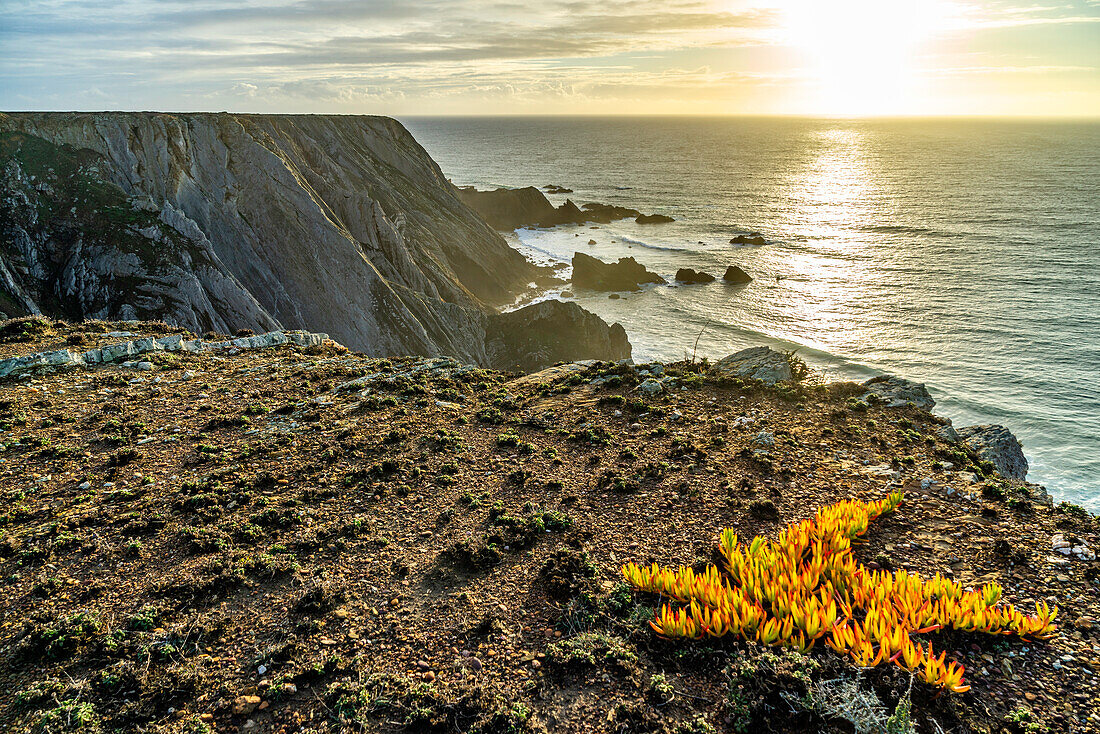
(861, 56)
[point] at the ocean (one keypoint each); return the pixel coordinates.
(964, 254)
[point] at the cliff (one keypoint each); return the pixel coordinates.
(274, 534)
(226, 221)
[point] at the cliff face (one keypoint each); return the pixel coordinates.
(253, 221)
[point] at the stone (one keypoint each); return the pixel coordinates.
(756, 363)
(653, 219)
(997, 445)
(650, 387)
(753, 239)
(897, 392)
(625, 275)
(735, 274)
(547, 332)
(687, 275)
(243, 705)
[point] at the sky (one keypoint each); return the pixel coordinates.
(442, 57)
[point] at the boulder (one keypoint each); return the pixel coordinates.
(997, 445)
(752, 239)
(735, 274)
(555, 189)
(625, 275)
(687, 275)
(650, 387)
(756, 363)
(547, 332)
(653, 219)
(897, 392)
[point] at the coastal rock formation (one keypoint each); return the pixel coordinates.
(552, 331)
(76, 245)
(508, 209)
(751, 239)
(687, 275)
(65, 358)
(555, 189)
(897, 392)
(735, 274)
(220, 221)
(757, 363)
(997, 445)
(653, 219)
(625, 275)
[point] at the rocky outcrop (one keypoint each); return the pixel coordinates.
(77, 246)
(126, 350)
(750, 239)
(897, 392)
(757, 363)
(687, 275)
(508, 209)
(625, 275)
(997, 445)
(552, 331)
(225, 221)
(735, 274)
(653, 219)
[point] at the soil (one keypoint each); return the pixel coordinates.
(244, 542)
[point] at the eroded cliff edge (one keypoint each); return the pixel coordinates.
(226, 221)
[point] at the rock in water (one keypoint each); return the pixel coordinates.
(997, 445)
(757, 363)
(625, 275)
(687, 275)
(753, 239)
(735, 274)
(653, 219)
(897, 392)
(547, 332)
(507, 209)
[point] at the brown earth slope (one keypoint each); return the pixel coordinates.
(244, 542)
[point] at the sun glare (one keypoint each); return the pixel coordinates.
(860, 55)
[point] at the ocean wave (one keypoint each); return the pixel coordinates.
(651, 246)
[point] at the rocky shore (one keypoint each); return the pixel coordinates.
(282, 535)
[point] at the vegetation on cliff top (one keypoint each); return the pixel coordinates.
(254, 537)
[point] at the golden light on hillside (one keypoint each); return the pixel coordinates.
(861, 54)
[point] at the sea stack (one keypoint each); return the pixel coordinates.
(735, 274)
(625, 275)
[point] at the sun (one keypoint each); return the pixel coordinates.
(860, 55)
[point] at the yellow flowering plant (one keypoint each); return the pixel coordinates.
(807, 585)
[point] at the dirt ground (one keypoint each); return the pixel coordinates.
(246, 542)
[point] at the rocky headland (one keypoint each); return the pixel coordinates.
(268, 532)
(508, 209)
(262, 222)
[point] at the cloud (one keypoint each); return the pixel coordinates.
(382, 55)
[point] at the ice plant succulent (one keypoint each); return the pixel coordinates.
(807, 585)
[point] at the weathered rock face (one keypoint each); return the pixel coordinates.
(997, 445)
(687, 275)
(552, 331)
(625, 275)
(897, 392)
(757, 363)
(75, 245)
(735, 274)
(223, 221)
